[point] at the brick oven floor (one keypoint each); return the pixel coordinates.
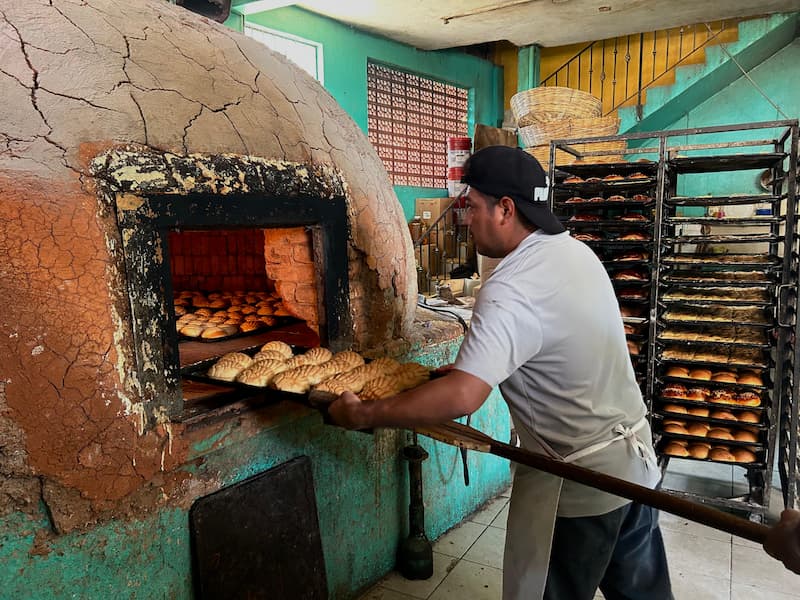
(705, 564)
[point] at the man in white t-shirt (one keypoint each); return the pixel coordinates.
(546, 329)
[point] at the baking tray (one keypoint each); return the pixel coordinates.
(279, 322)
(722, 239)
(725, 162)
(707, 303)
(699, 318)
(615, 243)
(624, 184)
(602, 169)
(613, 223)
(709, 405)
(715, 344)
(690, 279)
(621, 204)
(636, 320)
(755, 447)
(758, 464)
(754, 220)
(739, 387)
(711, 364)
(732, 261)
(721, 200)
(761, 426)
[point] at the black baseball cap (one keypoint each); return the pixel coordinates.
(504, 171)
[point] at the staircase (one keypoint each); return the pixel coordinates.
(653, 78)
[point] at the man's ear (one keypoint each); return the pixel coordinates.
(507, 207)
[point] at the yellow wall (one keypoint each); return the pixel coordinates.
(658, 57)
(504, 54)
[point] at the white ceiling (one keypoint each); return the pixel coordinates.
(437, 24)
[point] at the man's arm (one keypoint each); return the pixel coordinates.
(783, 540)
(443, 399)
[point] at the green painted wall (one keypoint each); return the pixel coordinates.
(362, 503)
(346, 51)
(741, 102)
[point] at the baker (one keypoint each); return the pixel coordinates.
(546, 328)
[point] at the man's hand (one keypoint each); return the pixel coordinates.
(347, 411)
(783, 540)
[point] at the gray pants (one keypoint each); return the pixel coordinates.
(621, 552)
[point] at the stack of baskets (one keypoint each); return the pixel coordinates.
(555, 113)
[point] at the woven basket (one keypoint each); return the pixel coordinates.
(544, 104)
(542, 133)
(615, 148)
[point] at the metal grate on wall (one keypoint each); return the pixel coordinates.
(409, 119)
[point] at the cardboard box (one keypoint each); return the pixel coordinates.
(429, 209)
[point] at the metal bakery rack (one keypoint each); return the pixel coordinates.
(709, 296)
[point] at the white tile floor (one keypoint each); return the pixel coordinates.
(705, 564)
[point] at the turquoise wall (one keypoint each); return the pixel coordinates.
(345, 54)
(362, 502)
(740, 102)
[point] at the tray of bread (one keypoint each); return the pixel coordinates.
(722, 239)
(723, 414)
(735, 199)
(751, 421)
(606, 201)
(604, 223)
(743, 436)
(745, 379)
(760, 279)
(732, 261)
(755, 220)
(732, 296)
(706, 451)
(710, 397)
(613, 181)
(216, 316)
(719, 336)
(747, 358)
(279, 367)
(700, 314)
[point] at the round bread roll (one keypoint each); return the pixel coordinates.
(720, 433)
(699, 450)
(675, 408)
(674, 449)
(677, 371)
(749, 378)
(698, 429)
(698, 411)
(704, 374)
(724, 376)
(748, 416)
(721, 454)
(743, 455)
(674, 422)
(748, 399)
(679, 429)
(699, 394)
(725, 415)
(192, 330)
(721, 397)
(742, 435)
(674, 390)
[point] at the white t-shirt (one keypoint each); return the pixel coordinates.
(546, 328)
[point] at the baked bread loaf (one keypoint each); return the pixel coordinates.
(229, 366)
(698, 411)
(262, 372)
(317, 356)
(269, 355)
(721, 454)
(278, 346)
(749, 378)
(743, 455)
(699, 450)
(677, 371)
(699, 394)
(720, 433)
(573, 179)
(704, 374)
(747, 399)
(385, 365)
(674, 390)
(677, 429)
(346, 361)
(351, 381)
(698, 429)
(676, 409)
(380, 387)
(724, 415)
(742, 435)
(675, 449)
(748, 416)
(300, 379)
(410, 375)
(724, 376)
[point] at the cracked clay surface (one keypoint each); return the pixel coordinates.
(79, 77)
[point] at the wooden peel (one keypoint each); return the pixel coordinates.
(456, 434)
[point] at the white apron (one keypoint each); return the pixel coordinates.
(533, 510)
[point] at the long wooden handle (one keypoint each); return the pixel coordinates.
(462, 436)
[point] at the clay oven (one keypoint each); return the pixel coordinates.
(127, 126)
